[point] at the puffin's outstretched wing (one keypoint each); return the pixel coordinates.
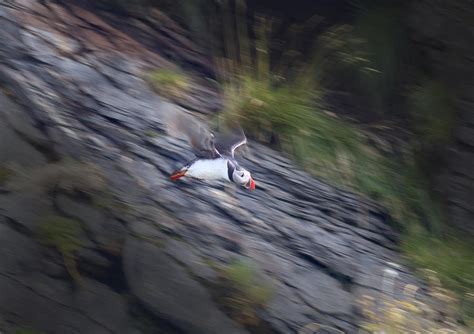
(226, 144)
(198, 135)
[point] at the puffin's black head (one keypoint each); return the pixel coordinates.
(240, 176)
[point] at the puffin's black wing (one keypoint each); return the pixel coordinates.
(198, 135)
(226, 144)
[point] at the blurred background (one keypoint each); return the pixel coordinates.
(360, 122)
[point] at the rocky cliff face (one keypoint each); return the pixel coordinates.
(148, 250)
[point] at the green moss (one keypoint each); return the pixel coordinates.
(63, 234)
(169, 83)
(243, 292)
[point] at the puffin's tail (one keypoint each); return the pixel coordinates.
(179, 174)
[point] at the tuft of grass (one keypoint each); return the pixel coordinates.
(64, 235)
(244, 293)
(169, 83)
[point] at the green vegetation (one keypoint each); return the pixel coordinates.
(243, 292)
(63, 234)
(169, 83)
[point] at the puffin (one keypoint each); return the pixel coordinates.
(214, 154)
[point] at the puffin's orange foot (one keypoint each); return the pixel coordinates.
(177, 175)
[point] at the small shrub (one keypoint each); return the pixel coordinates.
(64, 235)
(169, 83)
(243, 293)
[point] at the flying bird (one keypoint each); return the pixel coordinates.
(215, 158)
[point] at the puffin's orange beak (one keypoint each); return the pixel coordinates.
(252, 184)
(176, 175)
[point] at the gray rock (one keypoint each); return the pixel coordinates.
(180, 298)
(103, 229)
(16, 136)
(35, 300)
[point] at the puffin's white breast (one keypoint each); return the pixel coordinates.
(209, 169)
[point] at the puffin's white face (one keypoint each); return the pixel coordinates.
(243, 178)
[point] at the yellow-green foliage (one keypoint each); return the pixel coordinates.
(243, 292)
(63, 234)
(169, 83)
(405, 313)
